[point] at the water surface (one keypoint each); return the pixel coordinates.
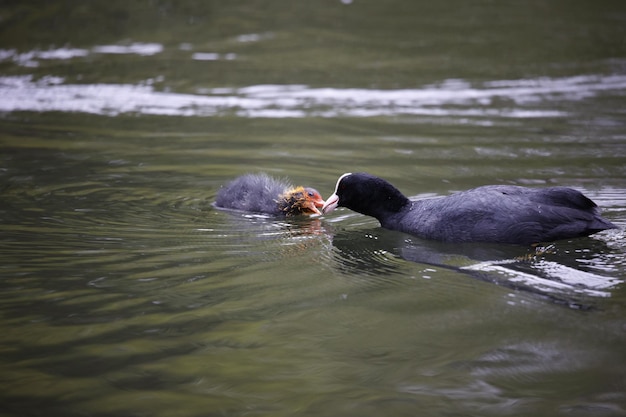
(125, 292)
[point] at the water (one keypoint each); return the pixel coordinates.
(124, 292)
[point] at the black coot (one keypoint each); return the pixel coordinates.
(493, 213)
(260, 193)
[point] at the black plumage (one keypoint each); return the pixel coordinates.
(492, 213)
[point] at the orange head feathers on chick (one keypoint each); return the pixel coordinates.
(300, 200)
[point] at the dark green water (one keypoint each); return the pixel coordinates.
(124, 292)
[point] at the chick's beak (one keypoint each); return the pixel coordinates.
(331, 204)
(314, 202)
(318, 201)
(309, 208)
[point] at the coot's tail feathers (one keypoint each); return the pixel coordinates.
(599, 224)
(572, 199)
(582, 213)
(566, 197)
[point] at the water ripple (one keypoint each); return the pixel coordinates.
(451, 98)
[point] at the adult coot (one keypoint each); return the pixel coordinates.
(493, 213)
(260, 193)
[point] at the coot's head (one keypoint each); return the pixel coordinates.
(366, 194)
(301, 200)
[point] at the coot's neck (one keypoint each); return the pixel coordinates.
(385, 202)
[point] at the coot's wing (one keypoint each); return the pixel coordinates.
(506, 214)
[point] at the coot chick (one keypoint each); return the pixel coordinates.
(492, 213)
(260, 193)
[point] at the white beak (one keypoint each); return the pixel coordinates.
(331, 204)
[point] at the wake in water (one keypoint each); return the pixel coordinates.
(562, 273)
